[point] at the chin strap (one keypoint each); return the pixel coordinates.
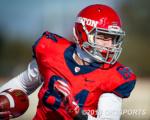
(75, 36)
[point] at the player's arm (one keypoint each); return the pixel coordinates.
(28, 81)
(109, 107)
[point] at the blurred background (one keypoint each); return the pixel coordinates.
(22, 22)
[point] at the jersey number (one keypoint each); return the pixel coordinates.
(81, 96)
(125, 72)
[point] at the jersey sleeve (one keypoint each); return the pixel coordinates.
(125, 89)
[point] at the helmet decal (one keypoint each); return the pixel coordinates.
(87, 21)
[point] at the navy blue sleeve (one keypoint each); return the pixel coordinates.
(125, 89)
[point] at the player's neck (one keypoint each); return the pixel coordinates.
(79, 61)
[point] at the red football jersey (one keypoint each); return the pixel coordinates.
(54, 56)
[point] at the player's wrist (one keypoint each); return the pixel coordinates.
(81, 115)
(73, 111)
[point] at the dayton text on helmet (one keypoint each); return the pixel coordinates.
(89, 22)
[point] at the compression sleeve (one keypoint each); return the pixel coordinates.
(28, 81)
(109, 107)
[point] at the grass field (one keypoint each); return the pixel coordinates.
(136, 107)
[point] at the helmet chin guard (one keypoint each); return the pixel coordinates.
(96, 20)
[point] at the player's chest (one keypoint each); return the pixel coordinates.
(79, 77)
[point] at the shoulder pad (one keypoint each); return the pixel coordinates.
(50, 44)
(51, 36)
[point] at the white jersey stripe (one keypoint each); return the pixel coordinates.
(10, 98)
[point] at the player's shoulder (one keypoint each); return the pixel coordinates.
(49, 38)
(125, 71)
(50, 43)
(125, 79)
(121, 73)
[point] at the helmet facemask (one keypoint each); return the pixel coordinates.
(106, 51)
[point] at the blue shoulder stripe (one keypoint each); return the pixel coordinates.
(125, 89)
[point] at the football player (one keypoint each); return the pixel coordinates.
(81, 80)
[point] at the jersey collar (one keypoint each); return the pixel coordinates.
(74, 67)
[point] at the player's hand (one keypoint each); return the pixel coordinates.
(67, 97)
(4, 115)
